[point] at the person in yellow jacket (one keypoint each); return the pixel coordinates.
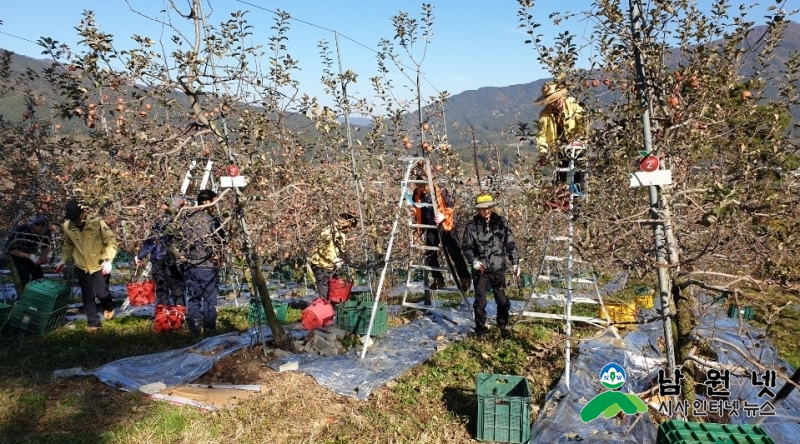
(91, 245)
(561, 122)
(327, 256)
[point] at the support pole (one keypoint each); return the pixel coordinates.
(643, 92)
(570, 233)
(358, 184)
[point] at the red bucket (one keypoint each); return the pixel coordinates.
(318, 314)
(142, 293)
(339, 290)
(169, 317)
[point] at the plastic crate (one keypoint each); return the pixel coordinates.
(645, 301)
(738, 311)
(45, 295)
(255, 312)
(353, 317)
(28, 320)
(362, 296)
(504, 403)
(684, 432)
(618, 312)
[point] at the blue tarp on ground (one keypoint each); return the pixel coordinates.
(638, 353)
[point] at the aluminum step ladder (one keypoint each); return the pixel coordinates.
(405, 202)
(557, 271)
(412, 284)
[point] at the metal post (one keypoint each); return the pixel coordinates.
(570, 232)
(658, 227)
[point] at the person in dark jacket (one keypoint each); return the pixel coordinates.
(166, 273)
(201, 247)
(29, 245)
(486, 243)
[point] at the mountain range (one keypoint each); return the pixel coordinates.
(491, 111)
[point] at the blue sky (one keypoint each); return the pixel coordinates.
(476, 43)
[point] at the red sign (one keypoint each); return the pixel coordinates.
(649, 164)
(232, 170)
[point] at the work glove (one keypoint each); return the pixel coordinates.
(516, 270)
(136, 260)
(105, 267)
(438, 218)
(34, 258)
(58, 267)
(478, 265)
(338, 262)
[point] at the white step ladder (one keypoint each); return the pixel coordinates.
(416, 286)
(557, 271)
(404, 203)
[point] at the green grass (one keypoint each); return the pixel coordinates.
(433, 402)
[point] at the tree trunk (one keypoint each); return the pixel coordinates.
(685, 322)
(279, 337)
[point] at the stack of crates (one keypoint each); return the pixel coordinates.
(504, 405)
(353, 317)
(256, 316)
(684, 432)
(41, 307)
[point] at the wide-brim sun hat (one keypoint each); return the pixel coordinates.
(551, 92)
(484, 201)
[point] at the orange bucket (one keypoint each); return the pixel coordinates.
(141, 293)
(318, 314)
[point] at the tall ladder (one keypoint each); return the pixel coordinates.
(412, 285)
(557, 269)
(404, 203)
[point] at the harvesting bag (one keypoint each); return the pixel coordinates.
(168, 317)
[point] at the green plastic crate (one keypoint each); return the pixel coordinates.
(45, 295)
(736, 311)
(504, 405)
(363, 296)
(255, 312)
(684, 432)
(27, 320)
(353, 317)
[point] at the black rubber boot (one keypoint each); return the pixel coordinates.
(195, 327)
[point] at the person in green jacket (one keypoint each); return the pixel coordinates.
(327, 256)
(91, 245)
